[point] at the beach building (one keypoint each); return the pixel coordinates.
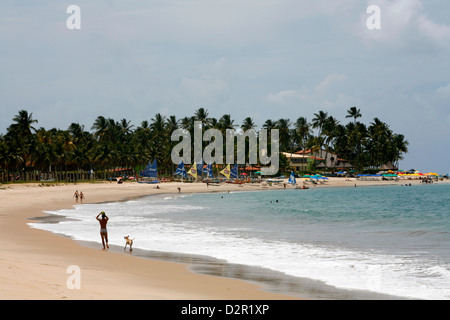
(388, 166)
(302, 160)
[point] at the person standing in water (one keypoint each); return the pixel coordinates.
(103, 231)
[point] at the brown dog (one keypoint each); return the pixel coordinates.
(129, 242)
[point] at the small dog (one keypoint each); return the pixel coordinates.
(129, 242)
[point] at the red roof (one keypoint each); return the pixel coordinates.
(303, 151)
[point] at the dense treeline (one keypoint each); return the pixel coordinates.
(113, 144)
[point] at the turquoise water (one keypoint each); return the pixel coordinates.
(391, 239)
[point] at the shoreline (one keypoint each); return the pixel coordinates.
(34, 263)
(269, 280)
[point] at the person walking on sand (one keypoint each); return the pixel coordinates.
(76, 195)
(103, 231)
(81, 196)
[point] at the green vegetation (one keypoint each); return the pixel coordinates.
(31, 153)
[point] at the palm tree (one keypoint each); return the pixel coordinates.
(172, 124)
(201, 115)
(354, 113)
(284, 127)
(116, 144)
(23, 124)
(126, 127)
(225, 122)
(319, 121)
(100, 126)
(248, 124)
(380, 134)
(21, 139)
(303, 132)
(329, 129)
(269, 125)
(158, 124)
(400, 146)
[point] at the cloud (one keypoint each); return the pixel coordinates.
(327, 94)
(403, 22)
(444, 91)
(435, 31)
(330, 81)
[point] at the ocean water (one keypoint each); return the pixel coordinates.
(391, 240)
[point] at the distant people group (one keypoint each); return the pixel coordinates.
(77, 196)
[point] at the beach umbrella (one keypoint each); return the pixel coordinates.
(306, 176)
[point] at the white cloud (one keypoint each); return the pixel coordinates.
(403, 21)
(330, 81)
(328, 94)
(444, 91)
(438, 32)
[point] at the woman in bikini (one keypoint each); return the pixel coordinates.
(103, 232)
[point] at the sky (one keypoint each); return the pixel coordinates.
(267, 59)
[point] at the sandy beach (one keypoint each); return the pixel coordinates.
(34, 263)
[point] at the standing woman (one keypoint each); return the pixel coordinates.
(103, 231)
